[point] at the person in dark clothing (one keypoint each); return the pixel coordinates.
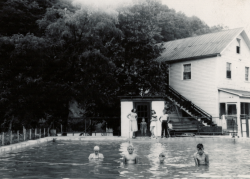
(164, 124)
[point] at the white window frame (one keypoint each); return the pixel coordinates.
(238, 45)
(182, 76)
(230, 70)
(247, 80)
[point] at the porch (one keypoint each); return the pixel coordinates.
(234, 111)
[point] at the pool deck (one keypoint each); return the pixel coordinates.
(103, 138)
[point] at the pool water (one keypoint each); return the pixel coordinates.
(69, 159)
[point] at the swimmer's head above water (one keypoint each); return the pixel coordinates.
(200, 149)
(161, 157)
(130, 149)
(96, 149)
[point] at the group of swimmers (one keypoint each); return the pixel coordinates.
(166, 123)
(200, 157)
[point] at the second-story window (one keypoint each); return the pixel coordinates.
(186, 71)
(238, 46)
(229, 70)
(246, 73)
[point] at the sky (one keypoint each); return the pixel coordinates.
(230, 13)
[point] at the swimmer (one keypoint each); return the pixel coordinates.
(130, 158)
(96, 155)
(161, 157)
(200, 157)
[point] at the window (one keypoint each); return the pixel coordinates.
(222, 109)
(186, 71)
(229, 70)
(246, 73)
(238, 46)
(245, 108)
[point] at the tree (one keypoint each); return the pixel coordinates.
(136, 54)
(20, 16)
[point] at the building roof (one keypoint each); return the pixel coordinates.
(236, 92)
(202, 46)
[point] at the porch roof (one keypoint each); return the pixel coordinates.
(236, 92)
(142, 98)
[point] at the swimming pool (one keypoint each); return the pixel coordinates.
(68, 159)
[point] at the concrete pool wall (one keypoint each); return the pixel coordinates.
(103, 138)
(28, 143)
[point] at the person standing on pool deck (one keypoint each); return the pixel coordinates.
(200, 157)
(143, 126)
(130, 158)
(96, 154)
(164, 123)
(153, 123)
(133, 124)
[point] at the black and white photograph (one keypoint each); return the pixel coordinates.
(117, 89)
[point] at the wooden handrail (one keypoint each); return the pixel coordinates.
(184, 101)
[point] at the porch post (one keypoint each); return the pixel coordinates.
(238, 119)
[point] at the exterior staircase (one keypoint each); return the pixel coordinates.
(189, 107)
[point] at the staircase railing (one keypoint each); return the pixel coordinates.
(187, 103)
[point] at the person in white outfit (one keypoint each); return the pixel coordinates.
(153, 123)
(133, 124)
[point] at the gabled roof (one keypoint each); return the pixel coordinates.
(202, 46)
(236, 92)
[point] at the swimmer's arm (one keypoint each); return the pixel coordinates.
(196, 161)
(136, 160)
(128, 116)
(101, 156)
(160, 119)
(90, 156)
(124, 159)
(207, 159)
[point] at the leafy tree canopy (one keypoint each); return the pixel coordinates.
(53, 53)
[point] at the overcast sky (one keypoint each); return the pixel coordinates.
(231, 13)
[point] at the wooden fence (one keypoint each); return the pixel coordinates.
(12, 137)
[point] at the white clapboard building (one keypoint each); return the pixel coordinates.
(208, 78)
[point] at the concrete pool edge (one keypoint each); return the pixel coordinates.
(95, 138)
(48, 139)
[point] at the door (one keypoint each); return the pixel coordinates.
(244, 126)
(232, 117)
(231, 109)
(143, 111)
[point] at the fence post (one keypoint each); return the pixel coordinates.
(61, 130)
(35, 133)
(48, 132)
(2, 138)
(30, 133)
(18, 136)
(39, 133)
(85, 128)
(44, 132)
(10, 137)
(24, 133)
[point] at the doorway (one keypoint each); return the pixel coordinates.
(231, 109)
(143, 111)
